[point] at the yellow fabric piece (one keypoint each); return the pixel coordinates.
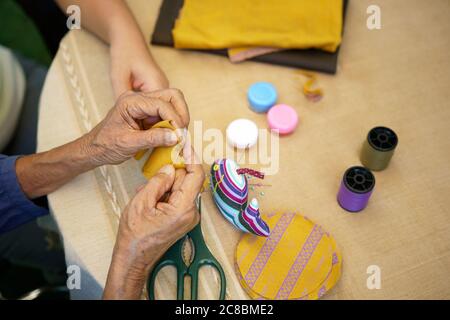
(140, 154)
(162, 155)
(324, 287)
(299, 260)
(223, 24)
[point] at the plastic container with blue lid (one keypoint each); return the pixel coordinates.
(262, 96)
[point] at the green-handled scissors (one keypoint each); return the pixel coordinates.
(201, 256)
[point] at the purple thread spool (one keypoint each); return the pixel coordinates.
(356, 187)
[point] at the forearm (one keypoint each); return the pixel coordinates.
(126, 276)
(110, 20)
(132, 65)
(123, 284)
(42, 173)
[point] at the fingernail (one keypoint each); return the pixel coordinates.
(174, 124)
(171, 137)
(179, 134)
(167, 169)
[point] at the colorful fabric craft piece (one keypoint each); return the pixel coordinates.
(299, 260)
(288, 24)
(230, 194)
(162, 155)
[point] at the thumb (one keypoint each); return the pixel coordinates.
(158, 185)
(156, 137)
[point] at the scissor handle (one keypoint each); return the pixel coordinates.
(203, 257)
(173, 257)
(194, 270)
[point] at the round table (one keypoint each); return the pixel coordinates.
(397, 77)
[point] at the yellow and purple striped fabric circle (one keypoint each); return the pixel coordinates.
(299, 260)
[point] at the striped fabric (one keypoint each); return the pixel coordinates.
(299, 260)
(230, 194)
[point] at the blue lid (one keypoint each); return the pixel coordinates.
(262, 96)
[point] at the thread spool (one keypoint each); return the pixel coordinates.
(378, 148)
(356, 188)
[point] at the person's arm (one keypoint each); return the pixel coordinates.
(40, 174)
(15, 208)
(115, 139)
(132, 66)
(149, 226)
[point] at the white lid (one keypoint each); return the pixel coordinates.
(242, 133)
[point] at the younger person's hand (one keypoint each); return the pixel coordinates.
(133, 68)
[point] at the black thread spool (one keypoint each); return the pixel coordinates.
(378, 148)
(356, 188)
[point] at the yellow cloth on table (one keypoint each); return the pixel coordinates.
(299, 260)
(162, 155)
(223, 24)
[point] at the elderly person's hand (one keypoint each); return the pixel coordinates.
(149, 226)
(115, 139)
(120, 135)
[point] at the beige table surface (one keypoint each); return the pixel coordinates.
(397, 76)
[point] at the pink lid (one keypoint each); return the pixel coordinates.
(282, 117)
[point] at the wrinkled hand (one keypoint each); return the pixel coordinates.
(133, 68)
(121, 134)
(149, 226)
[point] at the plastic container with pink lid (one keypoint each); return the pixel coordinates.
(283, 118)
